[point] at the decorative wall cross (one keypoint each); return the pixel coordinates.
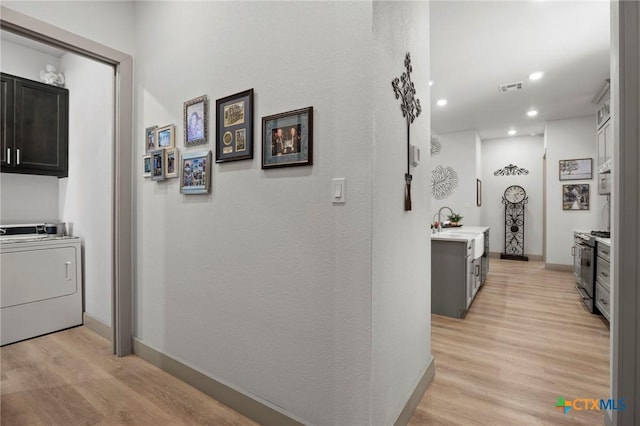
(404, 88)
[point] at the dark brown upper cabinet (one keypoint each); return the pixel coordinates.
(35, 127)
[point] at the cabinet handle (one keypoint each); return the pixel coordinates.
(573, 251)
(66, 271)
(18, 156)
(604, 302)
(604, 274)
(8, 155)
(477, 270)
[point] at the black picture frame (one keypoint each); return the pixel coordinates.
(234, 132)
(478, 192)
(287, 139)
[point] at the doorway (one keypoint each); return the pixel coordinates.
(122, 63)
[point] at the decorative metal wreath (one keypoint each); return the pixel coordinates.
(436, 146)
(444, 181)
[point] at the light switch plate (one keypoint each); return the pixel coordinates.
(338, 190)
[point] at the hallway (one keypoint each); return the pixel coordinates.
(526, 341)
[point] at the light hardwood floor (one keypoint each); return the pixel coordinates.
(71, 378)
(525, 341)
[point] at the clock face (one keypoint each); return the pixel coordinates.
(514, 194)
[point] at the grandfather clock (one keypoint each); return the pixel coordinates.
(514, 200)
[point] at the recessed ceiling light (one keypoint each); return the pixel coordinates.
(536, 75)
(532, 113)
(512, 132)
(430, 82)
(441, 102)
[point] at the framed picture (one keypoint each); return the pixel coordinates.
(478, 192)
(575, 197)
(195, 172)
(171, 162)
(287, 139)
(196, 121)
(150, 139)
(157, 164)
(146, 166)
(579, 169)
(234, 132)
(166, 137)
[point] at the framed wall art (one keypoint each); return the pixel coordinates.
(146, 166)
(578, 169)
(157, 164)
(196, 121)
(575, 197)
(166, 137)
(287, 139)
(150, 137)
(195, 175)
(234, 132)
(171, 162)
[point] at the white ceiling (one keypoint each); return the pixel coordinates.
(478, 45)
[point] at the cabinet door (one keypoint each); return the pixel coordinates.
(6, 119)
(41, 128)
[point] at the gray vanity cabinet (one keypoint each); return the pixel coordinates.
(455, 277)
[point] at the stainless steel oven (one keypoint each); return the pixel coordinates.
(583, 268)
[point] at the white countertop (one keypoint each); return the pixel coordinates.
(463, 233)
(605, 241)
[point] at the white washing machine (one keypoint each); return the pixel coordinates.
(40, 285)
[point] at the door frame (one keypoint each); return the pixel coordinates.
(121, 287)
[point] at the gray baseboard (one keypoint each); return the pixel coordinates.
(97, 326)
(258, 410)
(407, 412)
(532, 257)
(558, 267)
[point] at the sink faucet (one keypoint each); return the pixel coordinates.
(439, 216)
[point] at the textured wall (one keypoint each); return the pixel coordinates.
(401, 247)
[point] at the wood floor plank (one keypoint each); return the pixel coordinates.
(71, 378)
(525, 341)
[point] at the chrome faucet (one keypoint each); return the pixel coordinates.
(439, 229)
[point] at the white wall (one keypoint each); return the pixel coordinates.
(263, 284)
(108, 22)
(24, 62)
(26, 198)
(401, 247)
(85, 197)
(525, 152)
(461, 151)
(567, 139)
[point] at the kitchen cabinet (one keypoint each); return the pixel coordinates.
(605, 149)
(455, 277)
(34, 128)
(603, 289)
(485, 259)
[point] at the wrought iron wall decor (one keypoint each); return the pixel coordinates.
(514, 199)
(444, 181)
(436, 146)
(404, 88)
(511, 170)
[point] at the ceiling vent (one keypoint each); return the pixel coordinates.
(511, 87)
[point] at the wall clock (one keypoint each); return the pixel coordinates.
(514, 200)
